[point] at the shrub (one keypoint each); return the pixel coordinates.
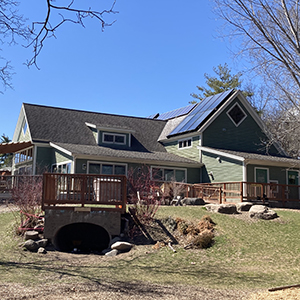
(143, 194)
(27, 195)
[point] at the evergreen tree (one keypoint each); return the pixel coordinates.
(5, 158)
(223, 81)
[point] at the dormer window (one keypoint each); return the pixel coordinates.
(113, 138)
(236, 114)
(187, 143)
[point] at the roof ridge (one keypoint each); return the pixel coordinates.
(91, 112)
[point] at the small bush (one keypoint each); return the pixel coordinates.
(203, 240)
(27, 195)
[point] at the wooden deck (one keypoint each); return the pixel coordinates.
(84, 192)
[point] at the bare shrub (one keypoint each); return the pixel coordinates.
(199, 235)
(27, 195)
(203, 240)
(143, 194)
(171, 190)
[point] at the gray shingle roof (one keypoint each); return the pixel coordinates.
(262, 157)
(126, 154)
(68, 126)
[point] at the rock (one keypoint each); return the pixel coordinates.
(113, 252)
(41, 250)
(30, 245)
(31, 235)
(243, 206)
(222, 208)
(39, 227)
(42, 243)
(212, 207)
(176, 202)
(121, 246)
(192, 201)
(227, 209)
(262, 212)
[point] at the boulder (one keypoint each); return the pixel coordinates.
(41, 250)
(243, 206)
(121, 246)
(31, 235)
(42, 243)
(30, 245)
(222, 208)
(229, 209)
(262, 212)
(192, 201)
(212, 207)
(113, 252)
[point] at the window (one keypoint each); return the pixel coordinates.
(112, 138)
(23, 156)
(64, 168)
(236, 114)
(106, 168)
(185, 143)
(168, 174)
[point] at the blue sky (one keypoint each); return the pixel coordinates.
(149, 61)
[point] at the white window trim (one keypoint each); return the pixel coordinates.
(187, 147)
(241, 121)
(114, 135)
(268, 177)
(63, 163)
(105, 163)
(169, 168)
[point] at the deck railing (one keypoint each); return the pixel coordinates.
(90, 192)
(232, 192)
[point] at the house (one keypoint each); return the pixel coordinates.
(220, 139)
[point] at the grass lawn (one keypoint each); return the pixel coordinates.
(246, 255)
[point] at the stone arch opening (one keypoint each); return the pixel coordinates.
(84, 237)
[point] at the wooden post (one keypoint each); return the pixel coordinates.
(242, 191)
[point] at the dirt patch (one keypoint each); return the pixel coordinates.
(286, 294)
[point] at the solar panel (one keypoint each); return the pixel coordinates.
(173, 113)
(202, 111)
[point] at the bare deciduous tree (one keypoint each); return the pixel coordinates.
(14, 27)
(270, 39)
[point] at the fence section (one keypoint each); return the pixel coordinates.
(101, 192)
(232, 192)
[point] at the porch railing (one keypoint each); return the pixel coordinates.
(90, 192)
(231, 192)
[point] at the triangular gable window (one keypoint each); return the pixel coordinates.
(236, 114)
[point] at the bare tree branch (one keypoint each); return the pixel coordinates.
(44, 29)
(269, 33)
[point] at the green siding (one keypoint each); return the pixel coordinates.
(191, 153)
(44, 159)
(223, 134)
(224, 171)
(60, 157)
(275, 173)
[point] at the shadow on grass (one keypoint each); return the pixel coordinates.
(91, 283)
